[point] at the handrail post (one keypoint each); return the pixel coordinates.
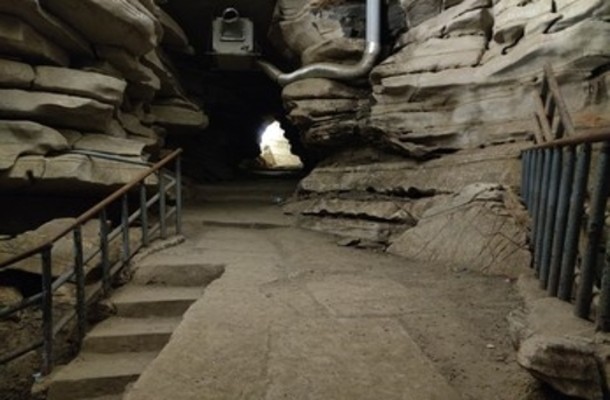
(162, 205)
(125, 255)
(577, 201)
(178, 195)
(545, 177)
(594, 234)
(144, 215)
(79, 272)
(550, 215)
(104, 230)
(603, 313)
(44, 298)
(47, 311)
(557, 251)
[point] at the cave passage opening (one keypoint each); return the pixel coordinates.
(276, 151)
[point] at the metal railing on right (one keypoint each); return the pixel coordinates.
(142, 198)
(564, 194)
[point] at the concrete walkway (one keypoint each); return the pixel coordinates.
(294, 316)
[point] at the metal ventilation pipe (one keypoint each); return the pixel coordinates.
(338, 71)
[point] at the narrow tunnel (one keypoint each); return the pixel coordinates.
(359, 177)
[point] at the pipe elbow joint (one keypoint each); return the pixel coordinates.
(326, 70)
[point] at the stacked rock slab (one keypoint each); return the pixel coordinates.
(86, 75)
(439, 129)
(450, 106)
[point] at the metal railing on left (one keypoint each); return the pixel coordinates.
(155, 210)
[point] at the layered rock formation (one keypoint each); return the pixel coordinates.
(450, 105)
(87, 76)
(436, 132)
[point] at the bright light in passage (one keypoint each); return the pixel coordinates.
(275, 148)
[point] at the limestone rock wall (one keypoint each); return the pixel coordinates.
(448, 106)
(87, 75)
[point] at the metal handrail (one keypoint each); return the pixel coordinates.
(554, 188)
(106, 235)
(596, 135)
(87, 215)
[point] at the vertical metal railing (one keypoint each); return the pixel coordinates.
(169, 189)
(555, 176)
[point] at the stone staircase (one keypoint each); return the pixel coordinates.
(116, 351)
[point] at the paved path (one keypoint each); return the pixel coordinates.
(294, 316)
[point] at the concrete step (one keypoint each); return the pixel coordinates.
(93, 375)
(136, 301)
(118, 334)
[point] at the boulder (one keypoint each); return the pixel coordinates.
(25, 137)
(56, 110)
(104, 88)
(557, 347)
(472, 228)
(568, 365)
(18, 39)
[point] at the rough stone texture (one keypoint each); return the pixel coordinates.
(451, 106)
(112, 145)
(69, 173)
(557, 347)
(179, 114)
(472, 228)
(63, 252)
(144, 82)
(9, 296)
(76, 67)
(15, 74)
(18, 39)
(463, 73)
(134, 28)
(95, 86)
(296, 317)
(47, 24)
(447, 174)
(55, 109)
(25, 137)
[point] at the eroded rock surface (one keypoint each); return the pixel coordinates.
(559, 348)
(77, 67)
(449, 106)
(473, 228)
